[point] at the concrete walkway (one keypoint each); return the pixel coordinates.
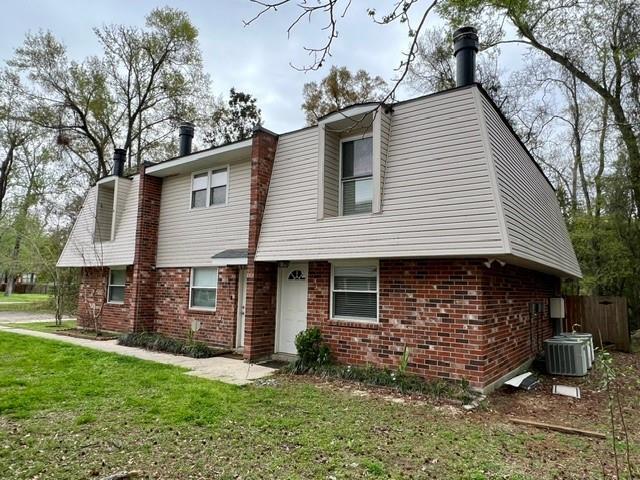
(24, 317)
(227, 370)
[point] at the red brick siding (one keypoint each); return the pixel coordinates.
(445, 311)
(143, 282)
(93, 290)
(260, 317)
(173, 316)
(512, 337)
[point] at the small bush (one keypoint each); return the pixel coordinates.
(161, 343)
(312, 351)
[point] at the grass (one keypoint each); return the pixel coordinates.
(44, 326)
(25, 302)
(69, 412)
(24, 298)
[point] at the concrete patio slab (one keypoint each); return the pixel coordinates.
(224, 369)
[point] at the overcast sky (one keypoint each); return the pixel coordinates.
(254, 59)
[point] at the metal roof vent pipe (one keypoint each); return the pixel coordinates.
(186, 137)
(465, 48)
(119, 157)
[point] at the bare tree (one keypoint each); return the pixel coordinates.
(13, 132)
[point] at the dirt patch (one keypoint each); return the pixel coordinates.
(542, 405)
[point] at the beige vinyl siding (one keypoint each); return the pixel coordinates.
(437, 192)
(81, 250)
(104, 213)
(331, 174)
(385, 136)
(122, 197)
(535, 227)
(190, 237)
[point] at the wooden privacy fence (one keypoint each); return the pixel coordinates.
(606, 316)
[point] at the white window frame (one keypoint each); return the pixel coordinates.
(191, 287)
(109, 285)
(209, 172)
(355, 263)
(341, 182)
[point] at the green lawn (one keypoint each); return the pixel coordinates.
(25, 302)
(44, 326)
(69, 412)
(24, 298)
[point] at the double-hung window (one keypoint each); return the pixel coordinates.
(209, 188)
(199, 185)
(218, 195)
(204, 285)
(356, 176)
(354, 292)
(117, 281)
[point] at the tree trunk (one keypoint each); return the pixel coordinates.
(5, 169)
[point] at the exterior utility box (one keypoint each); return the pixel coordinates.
(556, 307)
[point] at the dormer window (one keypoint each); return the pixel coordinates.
(209, 188)
(356, 175)
(352, 157)
(104, 214)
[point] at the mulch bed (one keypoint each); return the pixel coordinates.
(87, 334)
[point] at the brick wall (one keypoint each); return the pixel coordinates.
(173, 316)
(449, 313)
(141, 314)
(93, 291)
(511, 337)
(260, 317)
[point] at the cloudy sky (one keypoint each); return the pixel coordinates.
(255, 59)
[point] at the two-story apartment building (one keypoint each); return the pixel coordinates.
(424, 224)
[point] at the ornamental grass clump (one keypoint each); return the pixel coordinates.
(161, 343)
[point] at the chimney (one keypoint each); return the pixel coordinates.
(119, 157)
(186, 136)
(465, 47)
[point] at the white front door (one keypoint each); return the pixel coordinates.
(242, 301)
(292, 311)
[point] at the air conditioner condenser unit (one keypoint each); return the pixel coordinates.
(585, 337)
(565, 356)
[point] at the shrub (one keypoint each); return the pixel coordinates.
(402, 382)
(312, 351)
(161, 343)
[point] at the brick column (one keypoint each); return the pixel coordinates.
(143, 282)
(260, 314)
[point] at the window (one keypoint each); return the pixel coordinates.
(117, 280)
(209, 188)
(356, 176)
(199, 190)
(204, 283)
(355, 292)
(218, 195)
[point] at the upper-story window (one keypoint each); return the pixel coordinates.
(356, 175)
(199, 190)
(209, 188)
(218, 194)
